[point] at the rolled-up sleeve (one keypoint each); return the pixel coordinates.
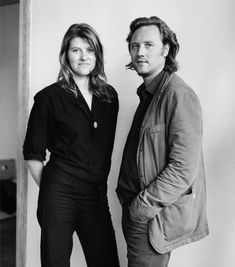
(38, 129)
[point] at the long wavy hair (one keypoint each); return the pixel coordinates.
(167, 35)
(97, 77)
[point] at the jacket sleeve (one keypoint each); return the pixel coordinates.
(184, 141)
(38, 129)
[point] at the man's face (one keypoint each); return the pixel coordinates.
(148, 52)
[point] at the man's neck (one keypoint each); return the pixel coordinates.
(148, 79)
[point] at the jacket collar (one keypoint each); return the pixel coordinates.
(153, 86)
(156, 98)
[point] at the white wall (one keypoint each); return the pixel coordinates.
(9, 32)
(205, 31)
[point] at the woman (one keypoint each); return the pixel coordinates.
(75, 120)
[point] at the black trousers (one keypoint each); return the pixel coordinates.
(67, 205)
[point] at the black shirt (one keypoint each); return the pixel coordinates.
(80, 140)
(128, 183)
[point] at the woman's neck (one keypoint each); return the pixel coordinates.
(83, 84)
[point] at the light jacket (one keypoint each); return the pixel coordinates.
(171, 168)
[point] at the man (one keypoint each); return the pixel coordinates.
(161, 183)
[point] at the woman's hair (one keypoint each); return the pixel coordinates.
(167, 35)
(97, 77)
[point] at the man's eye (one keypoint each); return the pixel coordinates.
(134, 46)
(148, 45)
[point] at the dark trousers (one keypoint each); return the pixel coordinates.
(66, 206)
(140, 252)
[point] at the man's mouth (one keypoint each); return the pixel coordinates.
(141, 62)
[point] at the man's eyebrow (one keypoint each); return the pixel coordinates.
(143, 42)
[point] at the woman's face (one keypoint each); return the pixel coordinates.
(81, 57)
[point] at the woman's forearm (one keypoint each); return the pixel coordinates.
(35, 169)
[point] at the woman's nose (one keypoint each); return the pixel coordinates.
(83, 55)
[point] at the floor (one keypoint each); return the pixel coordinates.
(8, 241)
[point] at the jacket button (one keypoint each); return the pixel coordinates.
(95, 124)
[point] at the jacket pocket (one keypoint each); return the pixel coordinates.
(179, 219)
(154, 151)
(155, 128)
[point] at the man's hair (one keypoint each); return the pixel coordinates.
(97, 76)
(167, 36)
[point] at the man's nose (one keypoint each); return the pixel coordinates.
(141, 50)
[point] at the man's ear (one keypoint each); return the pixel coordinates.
(166, 49)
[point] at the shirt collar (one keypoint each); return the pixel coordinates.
(152, 87)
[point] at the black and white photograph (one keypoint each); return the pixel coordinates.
(117, 133)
